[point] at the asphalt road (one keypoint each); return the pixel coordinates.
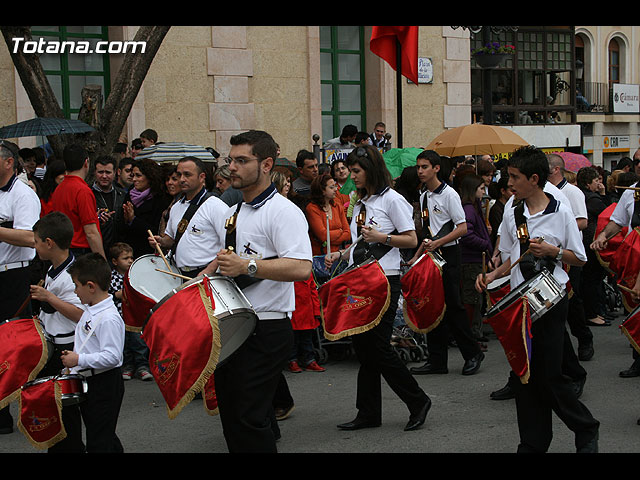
(462, 420)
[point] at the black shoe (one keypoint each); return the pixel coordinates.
(585, 352)
(418, 419)
(590, 447)
(427, 368)
(358, 423)
(472, 365)
(632, 371)
(6, 430)
(578, 386)
(505, 393)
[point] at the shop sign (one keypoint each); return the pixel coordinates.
(625, 98)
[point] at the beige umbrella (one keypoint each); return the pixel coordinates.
(476, 139)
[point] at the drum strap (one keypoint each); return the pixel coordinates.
(530, 266)
(364, 250)
(188, 214)
(243, 280)
(445, 230)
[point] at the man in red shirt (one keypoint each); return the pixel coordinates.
(74, 198)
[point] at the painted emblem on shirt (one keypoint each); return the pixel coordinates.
(354, 302)
(249, 252)
(87, 326)
(195, 230)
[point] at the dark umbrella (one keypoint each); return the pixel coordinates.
(40, 126)
(285, 162)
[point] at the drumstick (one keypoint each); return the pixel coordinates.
(160, 251)
(27, 300)
(173, 274)
(484, 267)
(540, 240)
(328, 238)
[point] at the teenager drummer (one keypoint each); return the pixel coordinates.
(547, 389)
(444, 217)
(273, 246)
(389, 221)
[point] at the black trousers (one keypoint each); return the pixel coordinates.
(548, 390)
(455, 321)
(246, 385)
(378, 359)
(577, 316)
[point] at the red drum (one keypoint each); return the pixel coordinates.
(72, 386)
(498, 289)
(631, 328)
(144, 286)
(423, 293)
(354, 301)
(192, 331)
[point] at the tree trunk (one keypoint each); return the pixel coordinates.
(115, 111)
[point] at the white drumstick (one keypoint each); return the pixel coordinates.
(328, 237)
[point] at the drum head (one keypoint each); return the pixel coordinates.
(145, 279)
(498, 283)
(234, 331)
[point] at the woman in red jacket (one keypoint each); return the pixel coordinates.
(321, 206)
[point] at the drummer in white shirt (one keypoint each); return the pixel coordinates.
(547, 389)
(273, 246)
(195, 233)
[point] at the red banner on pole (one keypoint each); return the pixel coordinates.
(383, 43)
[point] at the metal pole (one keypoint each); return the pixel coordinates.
(399, 90)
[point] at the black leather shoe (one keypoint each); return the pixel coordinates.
(590, 447)
(427, 368)
(505, 393)
(585, 352)
(578, 386)
(632, 371)
(357, 424)
(472, 365)
(418, 419)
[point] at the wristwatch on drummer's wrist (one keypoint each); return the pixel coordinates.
(388, 241)
(559, 255)
(252, 268)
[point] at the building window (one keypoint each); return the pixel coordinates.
(614, 62)
(533, 87)
(69, 72)
(342, 78)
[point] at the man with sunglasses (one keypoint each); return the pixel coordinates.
(272, 250)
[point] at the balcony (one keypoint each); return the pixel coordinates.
(594, 99)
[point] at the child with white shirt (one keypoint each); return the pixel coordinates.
(97, 355)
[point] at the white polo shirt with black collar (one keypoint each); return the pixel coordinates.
(18, 204)
(59, 282)
(270, 226)
(623, 213)
(201, 242)
(556, 223)
(386, 211)
(444, 204)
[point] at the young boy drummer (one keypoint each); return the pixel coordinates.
(554, 239)
(97, 355)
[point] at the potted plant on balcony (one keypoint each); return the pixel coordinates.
(492, 54)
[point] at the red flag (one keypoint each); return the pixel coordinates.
(41, 414)
(210, 398)
(307, 305)
(626, 264)
(354, 301)
(631, 328)
(383, 44)
(183, 337)
(23, 353)
(606, 256)
(423, 294)
(513, 328)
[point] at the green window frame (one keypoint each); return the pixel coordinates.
(342, 78)
(68, 72)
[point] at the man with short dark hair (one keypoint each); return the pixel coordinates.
(377, 137)
(125, 173)
(74, 198)
(109, 198)
(345, 140)
(307, 164)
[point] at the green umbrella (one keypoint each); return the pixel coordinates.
(397, 159)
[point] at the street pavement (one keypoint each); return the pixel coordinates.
(462, 419)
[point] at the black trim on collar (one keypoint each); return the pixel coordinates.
(562, 183)
(440, 188)
(9, 184)
(54, 272)
(261, 199)
(552, 206)
(196, 199)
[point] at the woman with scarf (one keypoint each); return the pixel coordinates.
(143, 206)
